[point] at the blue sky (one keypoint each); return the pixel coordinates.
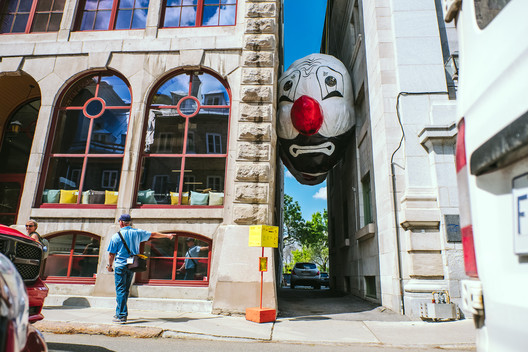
(303, 28)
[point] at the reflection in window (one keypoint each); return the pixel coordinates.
(89, 141)
(196, 13)
(26, 16)
(72, 255)
(112, 14)
(167, 256)
(176, 164)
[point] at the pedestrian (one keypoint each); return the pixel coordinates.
(117, 258)
(189, 265)
(31, 229)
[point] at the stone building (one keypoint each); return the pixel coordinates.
(392, 202)
(164, 110)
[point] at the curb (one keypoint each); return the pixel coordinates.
(56, 327)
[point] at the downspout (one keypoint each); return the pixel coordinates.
(394, 198)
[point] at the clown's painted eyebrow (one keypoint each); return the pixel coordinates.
(307, 66)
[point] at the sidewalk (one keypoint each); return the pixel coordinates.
(320, 329)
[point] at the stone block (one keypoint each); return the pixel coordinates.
(259, 42)
(257, 94)
(255, 132)
(191, 57)
(255, 112)
(10, 64)
(257, 75)
(247, 214)
(422, 241)
(254, 152)
(258, 59)
(425, 264)
(253, 172)
(261, 25)
(261, 10)
(252, 193)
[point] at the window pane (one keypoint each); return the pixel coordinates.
(109, 132)
(227, 15)
(140, 19)
(160, 247)
(210, 16)
(83, 266)
(114, 91)
(172, 91)
(58, 5)
(9, 194)
(142, 4)
(208, 2)
(87, 21)
(102, 20)
(172, 17)
(201, 259)
(161, 175)
(40, 22)
(123, 19)
(173, 2)
(63, 173)
(20, 24)
(25, 5)
(86, 245)
(71, 133)
(190, 2)
(188, 17)
(200, 169)
(160, 268)
(55, 21)
(44, 5)
(210, 131)
(206, 87)
(80, 92)
(6, 22)
(18, 137)
(102, 174)
(105, 4)
(157, 139)
(12, 6)
(126, 4)
(90, 5)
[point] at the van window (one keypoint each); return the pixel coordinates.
(487, 10)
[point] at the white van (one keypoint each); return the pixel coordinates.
(492, 167)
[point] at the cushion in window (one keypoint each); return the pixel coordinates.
(174, 198)
(51, 196)
(146, 197)
(110, 197)
(216, 198)
(93, 197)
(68, 197)
(85, 197)
(199, 198)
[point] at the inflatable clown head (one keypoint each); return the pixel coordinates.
(315, 116)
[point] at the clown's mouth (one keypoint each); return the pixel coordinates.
(325, 148)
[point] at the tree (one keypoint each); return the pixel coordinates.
(294, 224)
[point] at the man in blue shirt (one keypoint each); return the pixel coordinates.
(189, 265)
(117, 257)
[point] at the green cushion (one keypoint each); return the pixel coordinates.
(146, 197)
(199, 198)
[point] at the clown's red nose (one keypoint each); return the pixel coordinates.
(306, 115)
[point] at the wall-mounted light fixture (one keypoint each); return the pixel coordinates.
(451, 66)
(14, 126)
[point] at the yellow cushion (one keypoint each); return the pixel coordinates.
(111, 197)
(174, 198)
(68, 197)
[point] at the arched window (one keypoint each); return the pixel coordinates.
(72, 258)
(86, 152)
(166, 257)
(14, 157)
(185, 143)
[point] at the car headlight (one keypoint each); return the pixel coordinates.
(14, 301)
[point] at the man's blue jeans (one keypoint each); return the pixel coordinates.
(123, 280)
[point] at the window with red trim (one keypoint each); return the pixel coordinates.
(86, 151)
(185, 143)
(197, 13)
(72, 257)
(166, 257)
(26, 16)
(112, 14)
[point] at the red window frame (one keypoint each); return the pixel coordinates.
(71, 256)
(114, 12)
(31, 16)
(143, 277)
(186, 154)
(200, 5)
(86, 156)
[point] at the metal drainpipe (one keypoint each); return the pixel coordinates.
(394, 198)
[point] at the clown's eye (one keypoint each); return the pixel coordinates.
(288, 85)
(330, 81)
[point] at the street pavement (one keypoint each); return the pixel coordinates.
(362, 324)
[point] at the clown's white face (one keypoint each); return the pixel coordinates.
(315, 116)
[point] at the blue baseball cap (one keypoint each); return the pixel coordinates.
(125, 217)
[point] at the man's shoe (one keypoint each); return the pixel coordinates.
(119, 320)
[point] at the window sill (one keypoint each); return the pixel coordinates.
(75, 211)
(365, 232)
(178, 212)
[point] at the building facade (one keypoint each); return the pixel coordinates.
(393, 205)
(164, 110)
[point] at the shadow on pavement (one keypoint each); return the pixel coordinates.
(68, 347)
(303, 304)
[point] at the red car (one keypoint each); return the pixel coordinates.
(27, 256)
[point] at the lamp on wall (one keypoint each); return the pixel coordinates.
(14, 127)
(451, 65)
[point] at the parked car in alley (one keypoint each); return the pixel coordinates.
(27, 256)
(325, 280)
(492, 168)
(17, 334)
(305, 274)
